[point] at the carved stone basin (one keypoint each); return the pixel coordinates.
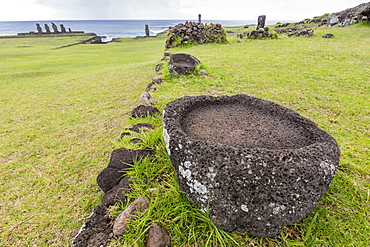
(253, 165)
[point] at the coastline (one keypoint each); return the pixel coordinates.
(115, 28)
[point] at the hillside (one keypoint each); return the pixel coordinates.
(63, 112)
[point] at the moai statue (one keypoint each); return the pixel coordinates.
(55, 28)
(47, 28)
(199, 18)
(62, 28)
(261, 22)
(147, 30)
(69, 30)
(39, 29)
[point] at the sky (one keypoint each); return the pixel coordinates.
(38, 10)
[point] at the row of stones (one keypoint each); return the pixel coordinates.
(299, 31)
(261, 33)
(100, 228)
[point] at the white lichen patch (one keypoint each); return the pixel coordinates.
(244, 208)
(278, 209)
(194, 185)
(200, 188)
(185, 173)
(328, 167)
(166, 138)
(187, 164)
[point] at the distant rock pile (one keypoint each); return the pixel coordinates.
(195, 32)
(305, 32)
(340, 19)
(261, 33)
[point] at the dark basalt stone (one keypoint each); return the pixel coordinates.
(255, 165)
(181, 64)
(117, 193)
(328, 36)
(108, 178)
(144, 111)
(120, 160)
(138, 128)
(97, 231)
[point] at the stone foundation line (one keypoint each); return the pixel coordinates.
(100, 229)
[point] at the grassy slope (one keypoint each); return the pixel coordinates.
(62, 112)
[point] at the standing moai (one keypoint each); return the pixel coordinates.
(55, 28)
(39, 29)
(69, 30)
(261, 21)
(147, 33)
(62, 28)
(199, 18)
(47, 28)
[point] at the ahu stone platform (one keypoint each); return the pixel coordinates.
(253, 165)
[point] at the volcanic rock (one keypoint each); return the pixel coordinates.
(251, 164)
(158, 237)
(121, 222)
(117, 193)
(96, 231)
(144, 111)
(181, 64)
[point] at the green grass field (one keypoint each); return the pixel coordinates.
(62, 112)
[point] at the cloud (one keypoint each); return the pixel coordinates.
(169, 9)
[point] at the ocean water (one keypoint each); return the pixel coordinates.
(111, 28)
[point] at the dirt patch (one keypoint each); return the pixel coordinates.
(241, 125)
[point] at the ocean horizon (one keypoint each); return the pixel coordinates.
(112, 28)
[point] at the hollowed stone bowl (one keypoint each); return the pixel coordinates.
(253, 165)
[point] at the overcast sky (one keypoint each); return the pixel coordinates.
(20, 10)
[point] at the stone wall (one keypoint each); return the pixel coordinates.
(195, 32)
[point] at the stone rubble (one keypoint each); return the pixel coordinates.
(195, 32)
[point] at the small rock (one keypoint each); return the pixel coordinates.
(117, 193)
(136, 140)
(125, 134)
(158, 237)
(108, 178)
(149, 87)
(181, 63)
(122, 158)
(158, 67)
(121, 222)
(328, 36)
(145, 99)
(203, 72)
(144, 111)
(158, 81)
(138, 128)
